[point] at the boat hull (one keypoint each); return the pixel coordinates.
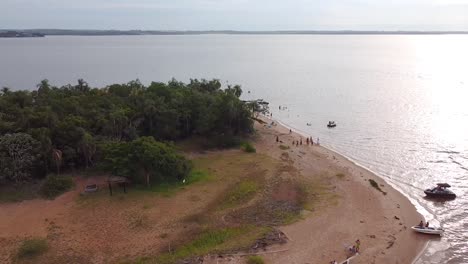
(431, 194)
(428, 230)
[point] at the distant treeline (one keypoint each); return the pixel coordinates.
(52, 128)
(78, 32)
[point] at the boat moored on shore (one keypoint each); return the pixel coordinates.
(428, 230)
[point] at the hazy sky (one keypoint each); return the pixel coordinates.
(236, 14)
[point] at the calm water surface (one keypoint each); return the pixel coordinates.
(400, 101)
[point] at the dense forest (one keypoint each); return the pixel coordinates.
(75, 126)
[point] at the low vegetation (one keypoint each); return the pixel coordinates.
(241, 192)
(209, 241)
(283, 147)
(248, 147)
(255, 260)
(376, 186)
(55, 185)
(32, 247)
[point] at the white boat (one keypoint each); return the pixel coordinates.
(428, 230)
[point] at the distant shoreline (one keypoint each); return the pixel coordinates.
(73, 32)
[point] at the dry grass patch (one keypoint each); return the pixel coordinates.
(32, 247)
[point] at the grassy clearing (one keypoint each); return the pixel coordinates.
(211, 241)
(32, 247)
(255, 260)
(241, 193)
(376, 186)
(168, 189)
(283, 147)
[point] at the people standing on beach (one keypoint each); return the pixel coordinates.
(307, 141)
(277, 139)
(297, 143)
(358, 245)
(301, 141)
(294, 142)
(318, 141)
(290, 131)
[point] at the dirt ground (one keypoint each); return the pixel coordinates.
(98, 228)
(339, 207)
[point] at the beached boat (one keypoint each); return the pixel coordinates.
(428, 230)
(440, 191)
(331, 124)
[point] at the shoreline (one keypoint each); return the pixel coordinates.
(402, 244)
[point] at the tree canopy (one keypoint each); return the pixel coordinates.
(78, 120)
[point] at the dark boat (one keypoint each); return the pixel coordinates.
(331, 124)
(440, 191)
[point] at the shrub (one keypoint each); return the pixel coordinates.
(55, 185)
(32, 247)
(255, 260)
(247, 147)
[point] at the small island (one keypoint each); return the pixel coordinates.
(20, 34)
(182, 173)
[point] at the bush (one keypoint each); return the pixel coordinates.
(32, 247)
(255, 260)
(247, 147)
(55, 185)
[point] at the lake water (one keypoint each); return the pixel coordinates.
(400, 102)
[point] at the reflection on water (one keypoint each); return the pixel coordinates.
(399, 101)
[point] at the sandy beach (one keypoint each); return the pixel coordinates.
(381, 221)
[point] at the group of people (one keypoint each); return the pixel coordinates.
(355, 248)
(309, 140)
(421, 224)
(352, 251)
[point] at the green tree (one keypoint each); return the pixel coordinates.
(18, 153)
(157, 161)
